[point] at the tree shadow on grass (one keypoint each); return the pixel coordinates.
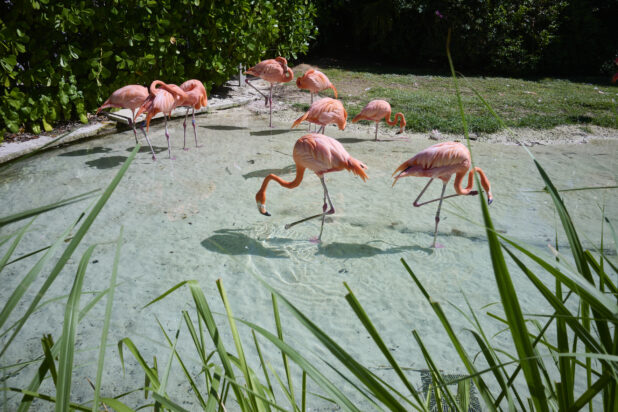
(108, 162)
(265, 172)
(230, 242)
(86, 152)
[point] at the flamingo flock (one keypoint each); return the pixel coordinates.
(314, 151)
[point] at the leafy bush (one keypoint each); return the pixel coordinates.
(60, 59)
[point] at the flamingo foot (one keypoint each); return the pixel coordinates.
(154, 157)
(315, 240)
(438, 246)
(186, 149)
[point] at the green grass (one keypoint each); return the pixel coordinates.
(429, 102)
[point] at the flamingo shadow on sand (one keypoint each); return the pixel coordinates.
(270, 132)
(346, 140)
(231, 242)
(107, 162)
(145, 149)
(224, 127)
(338, 250)
(86, 152)
(265, 172)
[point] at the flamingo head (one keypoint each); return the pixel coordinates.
(260, 199)
(283, 62)
(490, 198)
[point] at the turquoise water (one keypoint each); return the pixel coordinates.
(195, 218)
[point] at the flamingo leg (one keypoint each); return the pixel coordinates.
(416, 204)
(324, 211)
(133, 125)
(193, 122)
(270, 98)
(167, 136)
(321, 129)
(435, 233)
(376, 137)
(149, 144)
(256, 89)
(184, 125)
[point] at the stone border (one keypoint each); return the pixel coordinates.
(11, 151)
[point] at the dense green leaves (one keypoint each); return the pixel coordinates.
(59, 61)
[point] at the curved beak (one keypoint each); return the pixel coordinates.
(262, 209)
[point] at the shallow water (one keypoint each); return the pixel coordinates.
(195, 218)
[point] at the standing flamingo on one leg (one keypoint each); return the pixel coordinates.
(441, 161)
(315, 81)
(196, 99)
(377, 110)
(273, 71)
(163, 99)
(325, 111)
(319, 153)
(129, 97)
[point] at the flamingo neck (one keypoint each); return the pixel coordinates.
(398, 118)
(289, 74)
(464, 191)
(260, 197)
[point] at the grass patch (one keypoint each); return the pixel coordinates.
(429, 102)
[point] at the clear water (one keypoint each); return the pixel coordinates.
(195, 218)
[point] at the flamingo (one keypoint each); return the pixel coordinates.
(325, 111)
(441, 161)
(315, 81)
(196, 99)
(131, 97)
(164, 100)
(273, 71)
(321, 154)
(377, 110)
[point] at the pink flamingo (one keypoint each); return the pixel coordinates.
(273, 71)
(130, 97)
(319, 153)
(164, 100)
(196, 99)
(441, 161)
(315, 81)
(377, 110)
(325, 111)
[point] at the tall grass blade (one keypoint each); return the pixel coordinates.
(167, 403)
(68, 252)
(32, 394)
(307, 366)
(213, 394)
(116, 405)
(344, 357)
(9, 252)
(283, 356)
(151, 373)
(106, 320)
(42, 209)
(239, 349)
(480, 384)
(69, 330)
(263, 363)
(373, 332)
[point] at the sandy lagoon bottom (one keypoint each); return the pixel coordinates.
(195, 218)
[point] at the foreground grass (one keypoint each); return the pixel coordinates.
(429, 102)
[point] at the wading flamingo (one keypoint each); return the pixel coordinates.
(441, 161)
(196, 99)
(324, 111)
(129, 97)
(163, 99)
(273, 71)
(319, 153)
(377, 110)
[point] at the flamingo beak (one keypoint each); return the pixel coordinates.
(262, 209)
(490, 198)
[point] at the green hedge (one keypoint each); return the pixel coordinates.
(60, 59)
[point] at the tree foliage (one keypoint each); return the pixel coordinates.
(59, 59)
(514, 37)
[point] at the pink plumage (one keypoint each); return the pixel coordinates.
(315, 81)
(376, 110)
(129, 97)
(323, 112)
